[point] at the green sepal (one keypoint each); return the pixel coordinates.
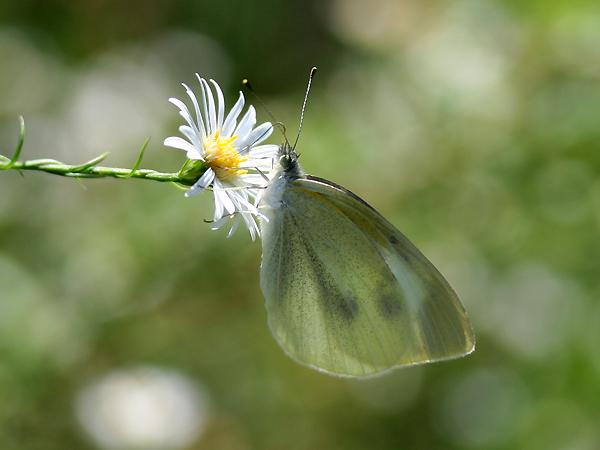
(191, 171)
(180, 186)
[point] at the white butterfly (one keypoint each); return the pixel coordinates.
(346, 292)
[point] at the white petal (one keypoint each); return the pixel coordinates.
(264, 164)
(254, 179)
(182, 144)
(220, 103)
(251, 224)
(222, 198)
(227, 203)
(262, 217)
(212, 117)
(260, 133)
(218, 207)
(246, 124)
(199, 120)
(183, 111)
(219, 223)
(241, 202)
(205, 95)
(191, 135)
(255, 195)
(264, 151)
(202, 183)
(231, 119)
(234, 227)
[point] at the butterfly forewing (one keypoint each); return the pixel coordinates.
(443, 321)
(347, 293)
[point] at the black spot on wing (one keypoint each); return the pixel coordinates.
(344, 306)
(389, 305)
(393, 239)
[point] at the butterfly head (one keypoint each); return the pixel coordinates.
(288, 158)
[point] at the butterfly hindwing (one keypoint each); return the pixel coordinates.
(347, 293)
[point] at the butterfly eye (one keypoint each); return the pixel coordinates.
(285, 162)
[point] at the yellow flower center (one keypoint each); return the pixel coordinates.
(222, 156)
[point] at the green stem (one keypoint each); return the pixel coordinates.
(187, 176)
(67, 170)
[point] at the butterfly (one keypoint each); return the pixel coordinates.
(346, 293)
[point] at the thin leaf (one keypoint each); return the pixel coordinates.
(20, 142)
(91, 163)
(138, 162)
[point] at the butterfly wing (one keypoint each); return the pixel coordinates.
(347, 293)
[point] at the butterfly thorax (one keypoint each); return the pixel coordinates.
(286, 170)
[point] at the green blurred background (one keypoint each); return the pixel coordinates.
(474, 126)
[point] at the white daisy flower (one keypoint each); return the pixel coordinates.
(234, 166)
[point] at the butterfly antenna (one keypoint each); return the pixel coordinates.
(276, 123)
(310, 78)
